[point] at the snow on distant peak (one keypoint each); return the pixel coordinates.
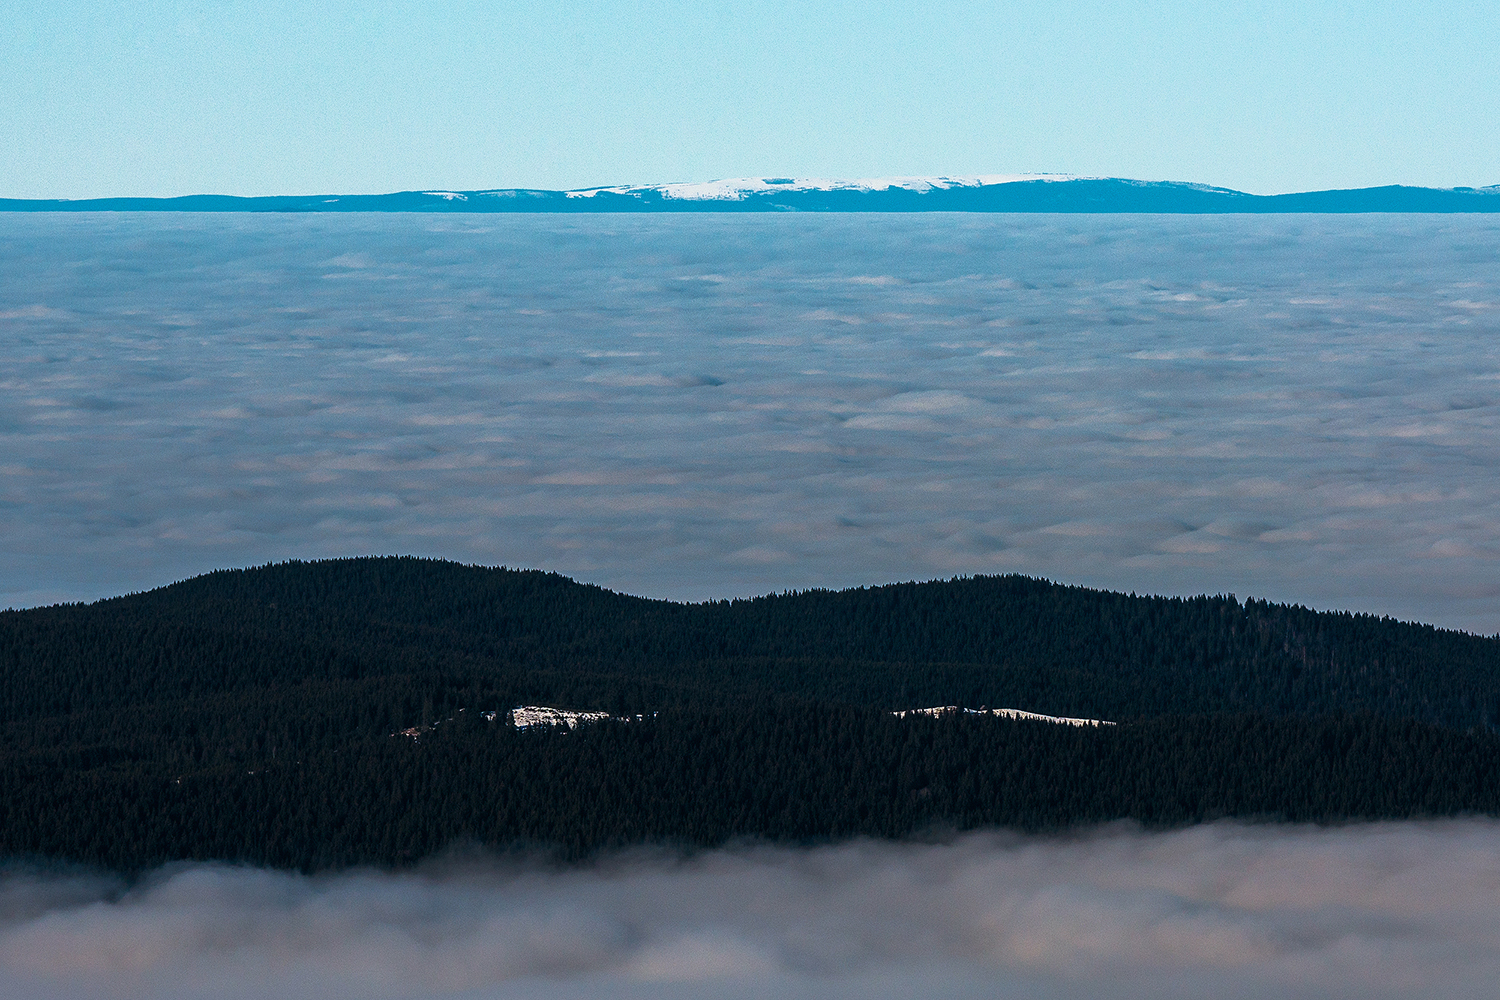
(738, 188)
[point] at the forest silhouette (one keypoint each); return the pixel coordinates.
(257, 715)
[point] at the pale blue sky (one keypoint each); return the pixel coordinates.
(185, 96)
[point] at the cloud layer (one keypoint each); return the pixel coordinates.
(1300, 408)
(1408, 910)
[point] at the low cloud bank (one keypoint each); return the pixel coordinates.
(1300, 410)
(1383, 910)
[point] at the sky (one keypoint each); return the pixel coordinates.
(179, 97)
(1386, 910)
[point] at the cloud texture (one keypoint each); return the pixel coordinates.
(1387, 910)
(1299, 408)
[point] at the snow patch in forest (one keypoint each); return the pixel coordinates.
(1008, 713)
(526, 716)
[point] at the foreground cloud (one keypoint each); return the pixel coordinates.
(1385, 910)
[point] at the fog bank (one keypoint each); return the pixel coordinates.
(1302, 408)
(1382, 910)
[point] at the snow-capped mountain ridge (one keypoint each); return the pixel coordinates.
(978, 193)
(738, 188)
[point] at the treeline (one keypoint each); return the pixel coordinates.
(786, 773)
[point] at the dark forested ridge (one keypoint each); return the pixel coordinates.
(248, 714)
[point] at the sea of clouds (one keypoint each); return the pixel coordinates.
(1302, 408)
(1389, 910)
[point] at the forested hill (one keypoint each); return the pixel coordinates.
(1011, 641)
(258, 715)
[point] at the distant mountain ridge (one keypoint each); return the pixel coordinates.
(986, 193)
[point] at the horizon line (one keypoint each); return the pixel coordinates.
(965, 193)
